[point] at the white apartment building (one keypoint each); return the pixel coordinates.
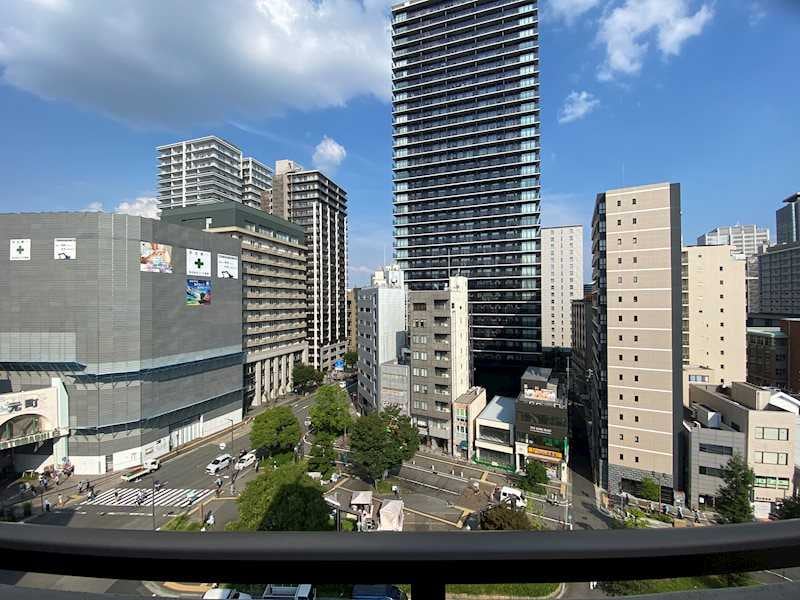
(562, 282)
(381, 334)
(210, 169)
(714, 312)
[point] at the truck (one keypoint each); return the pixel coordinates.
(138, 472)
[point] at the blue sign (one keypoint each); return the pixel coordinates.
(339, 365)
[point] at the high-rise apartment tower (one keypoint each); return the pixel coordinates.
(562, 282)
(466, 164)
(312, 200)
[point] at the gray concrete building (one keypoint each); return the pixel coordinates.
(581, 346)
(466, 167)
(636, 385)
(787, 220)
(395, 386)
(779, 280)
(131, 315)
(767, 352)
(313, 201)
(381, 337)
(207, 170)
(273, 276)
(440, 359)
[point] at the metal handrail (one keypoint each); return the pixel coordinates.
(427, 560)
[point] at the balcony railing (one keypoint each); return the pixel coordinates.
(427, 560)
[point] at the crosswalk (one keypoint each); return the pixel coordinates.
(178, 497)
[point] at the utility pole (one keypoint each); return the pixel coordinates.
(231, 420)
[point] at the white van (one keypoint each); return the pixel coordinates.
(223, 461)
(513, 495)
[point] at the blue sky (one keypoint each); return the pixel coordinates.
(703, 92)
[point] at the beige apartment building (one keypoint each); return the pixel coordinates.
(440, 362)
(562, 282)
(714, 300)
(765, 418)
(637, 388)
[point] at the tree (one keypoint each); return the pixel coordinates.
(331, 410)
(350, 359)
(275, 431)
(283, 499)
(504, 517)
(382, 441)
(535, 476)
(790, 508)
(733, 498)
(323, 456)
(650, 490)
(306, 375)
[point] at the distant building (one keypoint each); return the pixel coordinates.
(440, 360)
(748, 240)
(779, 280)
(381, 332)
(273, 259)
(313, 201)
(714, 313)
(787, 220)
(581, 345)
(767, 349)
(207, 170)
(395, 386)
(757, 423)
(562, 282)
(791, 328)
(636, 385)
(352, 318)
(135, 321)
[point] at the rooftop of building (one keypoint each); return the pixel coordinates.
(793, 198)
(500, 408)
(542, 373)
(205, 138)
(752, 397)
(470, 395)
(561, 227)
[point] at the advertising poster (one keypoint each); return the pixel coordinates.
(198, 262)
(227, 266)
(198, 292)
(65, 248)
(19, 249)
(155, 258)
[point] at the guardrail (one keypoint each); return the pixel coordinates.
(428, 561)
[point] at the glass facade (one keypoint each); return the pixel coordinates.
(466, 163)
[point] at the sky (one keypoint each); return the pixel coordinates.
(701, 92)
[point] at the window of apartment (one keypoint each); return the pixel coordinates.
(780, 483)
(770, 458)
(619, 260)
(619, 278)
(619, 221)
(716, 449)
(619, 318)
(636, 298)
(419, 355)
(619, 298)
(419, 372)
(636, 418)
(419, 306)
(635, 279)
(633, 201)
(635, 240)
(636, 398)
(619, 241)
(620, 356)
(635, 318)
(722, 310)
(636, 338)
(635, 459)
(635, 358)
(620, 377)
(711, 471)
(620, 397)
(622, 457)
(621, 437)
(772, 433)
(636, 439)
(634, 220)
(619, 337)
(619, 203)
(419, 339)
(635, 260)
(722, 268)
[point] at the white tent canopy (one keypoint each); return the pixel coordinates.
(361, 498)
(391, 516)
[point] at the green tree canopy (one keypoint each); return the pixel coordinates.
(323, 456)
(305, 375)
(350, 359)
(382, 441)
(274, 431)
(733, 498)
(790, 509)
(331, 410)
(534, 478)
(283, 499)
(650, 490)
(504, 517)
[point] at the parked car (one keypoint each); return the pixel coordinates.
(245, 461)
(223, 461)
(514, 496)
(225, 594)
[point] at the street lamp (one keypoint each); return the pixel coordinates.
(232, 423)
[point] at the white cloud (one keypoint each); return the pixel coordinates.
(577, 106)
(236, 59)
(757, 13)
(625, 31)
(328, 155)
(143, 206)
(570, 10)
(93, 207)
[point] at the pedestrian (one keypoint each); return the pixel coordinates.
(217, 492)
(47, 506)
(60, 501)
(233, 489)
(116, 495)
(258, 465)
(210, 521)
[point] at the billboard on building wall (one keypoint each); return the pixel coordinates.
(198, 262)
(19, 249)
(198, 292)
(227, 266)
(65, 249)
(540, 394)
(155, 257)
